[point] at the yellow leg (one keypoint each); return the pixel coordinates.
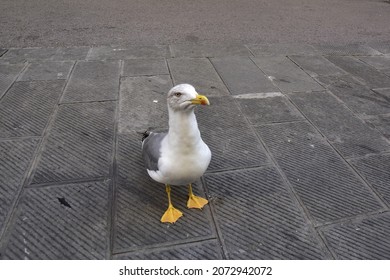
(195, 201)
(172, 214)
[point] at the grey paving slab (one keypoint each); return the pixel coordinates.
(93, 81)
(262, 109)
(382, 123)
(145, 66)
(27, 107)
(379, 62)
(143, 103)
(2, 51)
(207, 250)
(231, 141)
(208, 50)
(129, 52)
(367, 74)
(71, 53)
(47, 70)
(286, 74)
(350, 135)
(80, 143)
(15, 159)
(242, 76)
(282, 49)
(376, 170)
(198, 72)
(140, 203)
(317, 65)
(359, 98)
(383, 47)
(325, 183)
(362, 239)
(28, 54)
(345, 49)
(8, 74)
(61, 222)
(258, 218)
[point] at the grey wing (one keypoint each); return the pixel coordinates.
(151, 150)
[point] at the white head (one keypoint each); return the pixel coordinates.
(184, 97)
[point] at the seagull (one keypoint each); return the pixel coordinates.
(179, 156)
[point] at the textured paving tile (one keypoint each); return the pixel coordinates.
(15, 159)
(80, 143)
(208, 250)
(317, 65)
(231, 141)
(71, 53)
(346, 49)
(208, 50)
(27, 107)
(365, 239)
(8, 74)
(286, 74)
(359, 98)
(282, 49)
(145, 66)
(242, 76)
(130, 52)
(47, 70)
(61, 222)
(140, 203)
(2, 51)
(351, 136)
(28, 54)
(143, 103)
(382, 123)
(379, 62)
(93, 81)
(198, 72)
(268, 109)
(376, 170)
(327, 186)
(367, 74)
(258, 217)
(383, 47)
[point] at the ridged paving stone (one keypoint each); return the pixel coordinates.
(71, 53)
(379, 62)
(351, 136)
(140, 203)
(47, 70)
(345, 49)
(382, 123)
(209, 250)
(258, 217)
(282, 49)
(208, 50)
(28, 54)
(93, 81)
(129, 52)
(145, 66)
(27, 107)
(80, 143)
(8, 74)
(200, 73)
(286, 74)
(367, 74)
(317, 65)
(242, 76)
(327, 186)
(61, 222)
(363, 239)
(15, 159)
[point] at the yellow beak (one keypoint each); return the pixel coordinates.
(200, 100)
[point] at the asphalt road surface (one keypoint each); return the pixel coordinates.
(26, 23)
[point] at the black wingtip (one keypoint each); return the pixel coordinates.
(145, 135)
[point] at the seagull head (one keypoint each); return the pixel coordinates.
(184, 97)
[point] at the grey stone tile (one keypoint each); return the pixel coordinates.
(145, 66)
(80, 143)
(71, 53)
(382, 123)
(61, 222)
(376, 170)
(130, 52)
(208, 50)
(345, 49)
(317, 65)
(359, 98)
(367, 74)
(269, 109)
(15, 159)
(242, 76)
(28, 54)
(286, 74)
(326, 185)
(27, 107)
(282, 49)
(47, 70)
(379, 62)
(200, 73)
(259, 218)
(93, 81)
(351, 136)
(140, 203)
(361, 239)
(383, 47)
(143, 103)
(2, 51)
(8, 74)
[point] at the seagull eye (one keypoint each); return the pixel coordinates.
(178, 94)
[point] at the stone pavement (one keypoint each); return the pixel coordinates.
(300, 136)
